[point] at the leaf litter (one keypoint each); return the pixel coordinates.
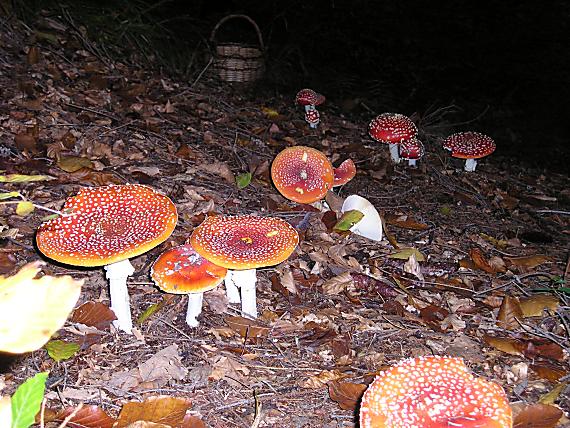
(480, 269)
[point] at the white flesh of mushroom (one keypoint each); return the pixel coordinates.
(194, 308)
(117, 274)
(371, 225)
(470, 165)
(411, 162)
(245, 280)
(231, 290)
(395, 152)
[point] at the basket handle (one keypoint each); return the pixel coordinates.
(247, 18)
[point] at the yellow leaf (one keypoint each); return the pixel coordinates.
(405, 253)
(534, 306)
(74, 163)
(19, 178)
(552, 396)
(269, 112)
(31, 310)
(24, 208)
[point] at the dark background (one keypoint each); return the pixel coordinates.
(501, 67)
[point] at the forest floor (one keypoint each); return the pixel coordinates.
(492, 287)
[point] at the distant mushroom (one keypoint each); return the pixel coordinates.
(344, 173)
(309, 99)
(181, 270)
(302, 174)
(411, 150)
(470, 146)
(433, 392)
(392, 129)
(242, 244)
(312, 117)
(105, 227)
(370, 226)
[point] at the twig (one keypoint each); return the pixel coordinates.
(553, 212)
(258, 414)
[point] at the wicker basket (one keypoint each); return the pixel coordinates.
(237, 62)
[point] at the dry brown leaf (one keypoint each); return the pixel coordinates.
(509, 346)
(346, 394)
(147, 424)
(510, 313)
(320, 380)
(338, 283)
(88, 416)
(287, 281)
(247, 327)
(227, 367)
(405, 222)
(94, 314)
(161, 409)
(552, 396)
(534, 306)
(537, 416)
(529, 262)
(413, 267)
(545, 371)
(219, 168)
(480, 261)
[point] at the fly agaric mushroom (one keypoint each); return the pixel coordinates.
(433, 392)
(312, 117)
(470, 146)
(392, 129)
(344, 173)
(309, 99)
(181, 270)
(411, 150)
(302, 174)
(242, 244)
(370, 226)
(105, 227)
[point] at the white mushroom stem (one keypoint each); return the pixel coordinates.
(370, 226)
(313, 125)
(194, 308)
(117, 274)
(231, 290)
(309, 107)
(470, 165)
(411, 162)
(244, 279)
(395, 152)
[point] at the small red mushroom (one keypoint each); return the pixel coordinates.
(344, 173)
(302, 174)
(312, 117)
(411, 150)
(309, 98)
(433, 392)
(392, 129)
(470, 146)
(243, 244)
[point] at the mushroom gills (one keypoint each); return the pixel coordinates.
(370, 226)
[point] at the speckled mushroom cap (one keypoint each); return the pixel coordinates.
(245, 241)
(108, 224)
(308, 97)
(392, 128)
(312, 117)
(433, 392)
(302, 174)
(181, 270)
(469, 145)
(411, 149)
(344, 172)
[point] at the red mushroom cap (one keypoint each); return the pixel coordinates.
(302, 174)
(411, 149)
(245, 241)
(469, 145)
(344, 173)
(433, 392)
(108, 224)
(392, 128)
(181, 270)
(308, 97)
(312, 117)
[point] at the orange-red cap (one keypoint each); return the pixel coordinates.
(344, 172)
(433, 392)
(302, 174)
(107, 224)
(392, 128)
(181, 270)
(469, 145)
(245, 241)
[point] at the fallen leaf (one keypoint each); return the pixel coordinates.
(320, 380)
(74, 163)
(552, 396)
(229, 368)
(31, 310)
(405, 222)
(88, 416)
(19, 178)
(537, 416)
(94, 314)
(346, 394)
(506, 345)
(287, 281)
(548, 372)
(243, 180)
(529, 262)
(534, 306)
(24, 208)
(405, 253)
(477, 256)
(60, 350)
(219, 168)
(337, 284)
(161, 409)
(412, 266)
(246, 327)
(348, 219)
(510, 313)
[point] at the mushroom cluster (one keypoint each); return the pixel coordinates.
(393, 129)
(310, 99)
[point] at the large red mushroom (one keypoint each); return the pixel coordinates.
(433, 392)
(242, 244)
(392, 129)
(469, 146)
(105, 226)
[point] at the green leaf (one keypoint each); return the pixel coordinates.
(148, 312)
(9, 195)
(27, 399)
(59, 350)
(348, 219)
(19, 178)
(24, 208)
(243, 180)
(405, 253)
(446, 210)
